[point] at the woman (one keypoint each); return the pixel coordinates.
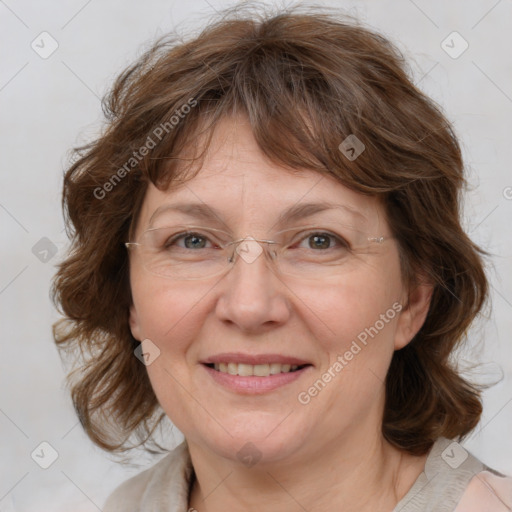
(267, 249)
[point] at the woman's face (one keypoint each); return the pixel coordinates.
(342, 325)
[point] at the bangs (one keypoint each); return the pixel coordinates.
(299, 109)
(289, 133)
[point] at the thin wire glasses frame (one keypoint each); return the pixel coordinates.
(162, 256)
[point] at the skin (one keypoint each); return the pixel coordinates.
(326, 455)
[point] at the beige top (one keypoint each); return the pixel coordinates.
(452, 481)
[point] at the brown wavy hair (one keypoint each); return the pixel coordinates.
(306, 78)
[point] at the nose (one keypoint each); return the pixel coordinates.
(252, 296)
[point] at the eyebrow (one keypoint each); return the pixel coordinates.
(294, 213)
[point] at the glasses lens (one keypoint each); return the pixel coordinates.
(183, 252)
(313, 252)
(307, 252)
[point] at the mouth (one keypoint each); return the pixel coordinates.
(255, 370)
(254, 374)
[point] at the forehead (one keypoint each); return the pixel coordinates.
(236, 180)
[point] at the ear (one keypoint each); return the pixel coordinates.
(134, 323)
(414, 313)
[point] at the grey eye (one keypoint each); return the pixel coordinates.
(187, 241)
(194, 241)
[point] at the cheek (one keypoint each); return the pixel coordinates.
(171, 319)
(167, 315)
(359, 317)
(356, 305)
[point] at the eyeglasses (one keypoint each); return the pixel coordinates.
(184, 252)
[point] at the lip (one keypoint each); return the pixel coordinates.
(253, 359)
(254, 385)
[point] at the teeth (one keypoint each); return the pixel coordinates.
(275, 368)
(245, 370)
(258, 370)
(261, 370)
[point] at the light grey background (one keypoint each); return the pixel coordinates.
(49, 105)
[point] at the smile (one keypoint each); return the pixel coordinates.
(257, 379)
(256, 370)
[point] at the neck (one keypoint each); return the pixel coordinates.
(359, 473)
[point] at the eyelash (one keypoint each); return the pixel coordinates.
(304, 236)
(337, 239)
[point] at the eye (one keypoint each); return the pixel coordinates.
(188, 241)
(323, 241)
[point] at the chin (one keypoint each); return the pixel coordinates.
(254, 438)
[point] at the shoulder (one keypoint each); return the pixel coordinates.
(164, 484)
(487, 490)
(454, 480)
